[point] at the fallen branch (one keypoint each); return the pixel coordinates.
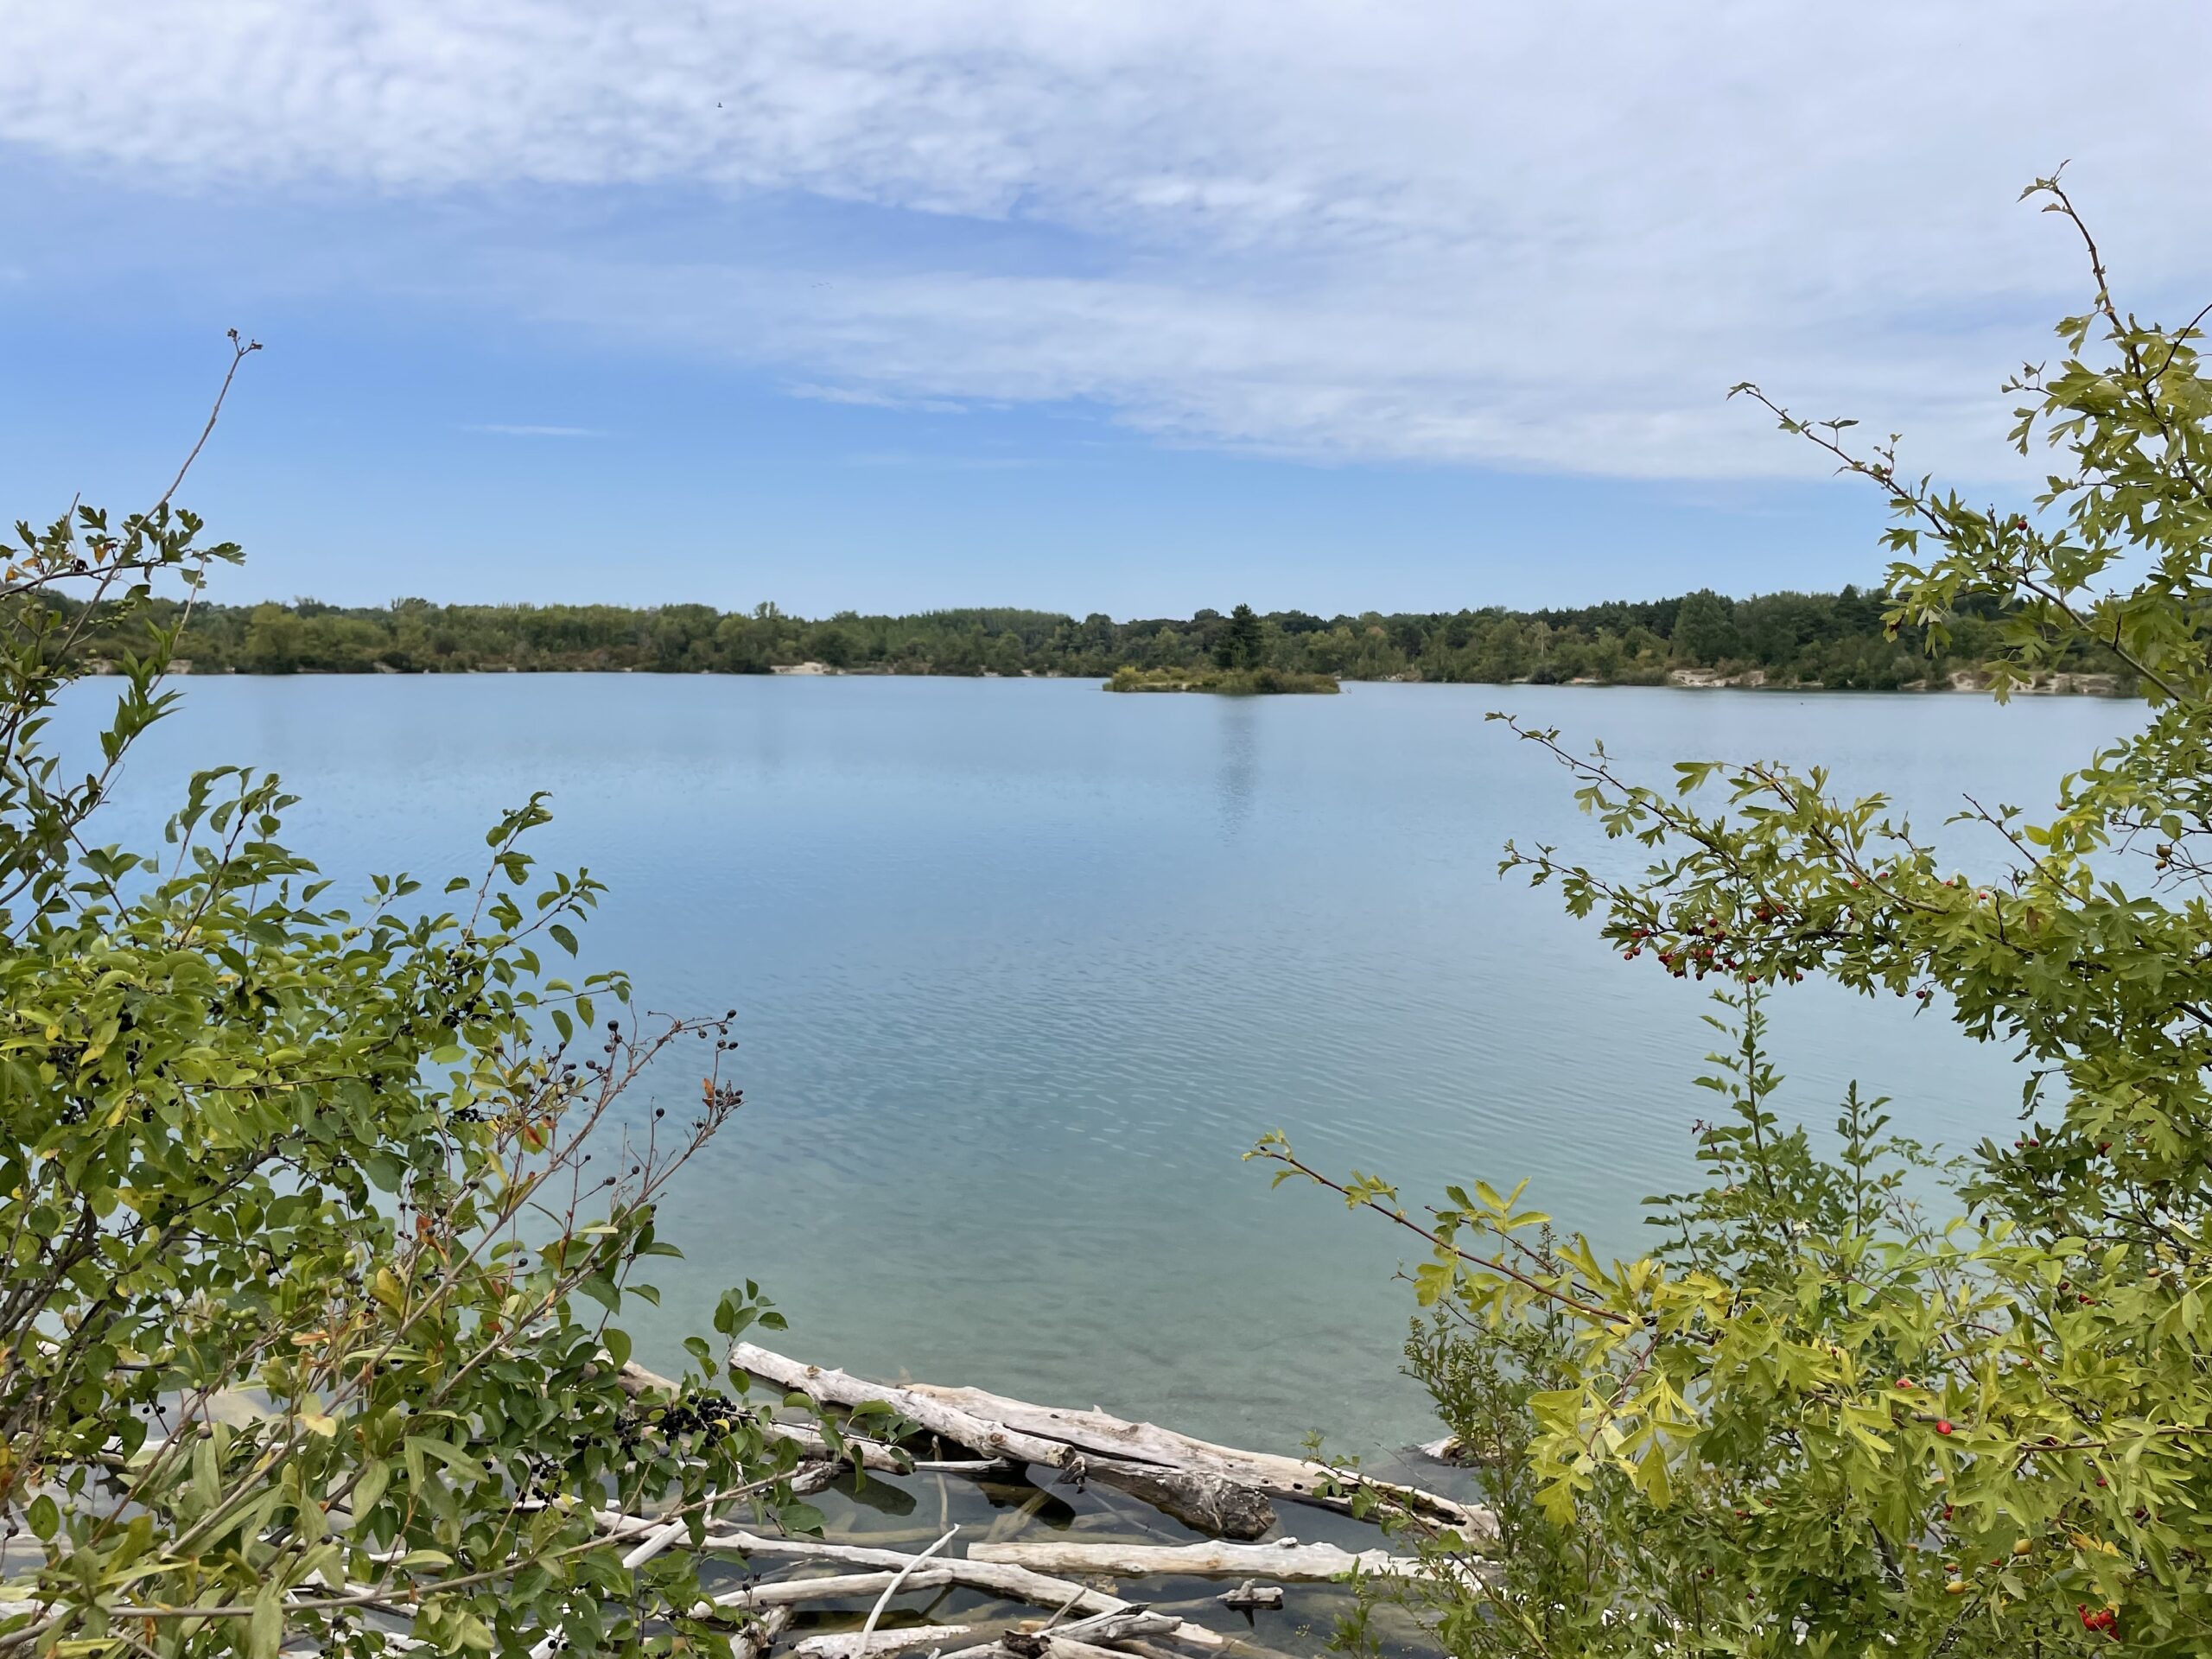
(1287, 1561)
(880, 1455)
(867, 1644)
(1013, 1583)
(1100, 1433)
(1207, 1500)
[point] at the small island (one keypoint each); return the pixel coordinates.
(1238, 668)
(1227, 682)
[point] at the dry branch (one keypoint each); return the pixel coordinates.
(1207, 1500)
(1101, 1435)
(1013, 1583)
(1287, 1561)
(869, 1644)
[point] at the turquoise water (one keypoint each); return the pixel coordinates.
(1022, 969)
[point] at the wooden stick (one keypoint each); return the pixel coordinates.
(899, 1577)
(1288, 1560)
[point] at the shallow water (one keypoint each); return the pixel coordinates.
(1022, 969)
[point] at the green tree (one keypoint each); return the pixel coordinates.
(1820, 1421)
(274, 640)
(309, 1281)
(1705, 628)
(1239, 645)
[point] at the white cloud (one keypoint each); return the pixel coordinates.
(1539, 235)
(870, 398)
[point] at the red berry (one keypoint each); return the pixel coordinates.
(1943, 1425)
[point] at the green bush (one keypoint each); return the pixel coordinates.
(1818, 1421)
(309, 1278)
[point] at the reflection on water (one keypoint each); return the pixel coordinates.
(1023, 969)
(1239, 758)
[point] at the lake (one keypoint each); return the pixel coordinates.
(1022, 969)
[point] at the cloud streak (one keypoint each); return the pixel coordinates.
(1539, 237)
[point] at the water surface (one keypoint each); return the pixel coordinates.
(1022, 969)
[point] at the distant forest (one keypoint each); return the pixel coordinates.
(1806, 640)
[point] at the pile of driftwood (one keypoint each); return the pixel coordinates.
(1221, 1492)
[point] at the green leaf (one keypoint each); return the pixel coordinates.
(266, 1629)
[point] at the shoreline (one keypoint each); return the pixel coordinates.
(2065, 683)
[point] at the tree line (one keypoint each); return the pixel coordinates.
(1837, 639)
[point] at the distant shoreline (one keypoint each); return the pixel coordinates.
(2056, 684)
(1842, 641)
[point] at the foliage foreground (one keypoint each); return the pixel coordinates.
(1819, 1421)
(315, 1217)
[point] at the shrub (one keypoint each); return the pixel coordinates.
(1818, 1421)
(317, 1214)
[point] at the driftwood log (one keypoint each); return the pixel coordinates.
(1206, 1500)
(1101, 1435)
(1013, 1583)
(1289, 1561)
(857, 1644)
(1220, 1491)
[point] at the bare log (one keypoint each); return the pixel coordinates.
(867, 1644)
(1121, 1627)
(1288, 1560)
(790, 1593)
(1101, 1435)
(636, 1381)
(1209, 1500)
(1051, 1645)
(1009, 1582)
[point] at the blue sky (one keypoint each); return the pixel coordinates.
(1136, 308)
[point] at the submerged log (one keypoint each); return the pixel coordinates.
(1248, 1596)
(1288, 1560)
(1207, 1500)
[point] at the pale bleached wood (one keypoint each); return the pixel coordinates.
(1121, 1627)
(1207, 1499)
(828, 1387)
(866, 1644)
(760, 1635)
(1103, 1434)
(790, 1593)
(1009, 1582)
(1289, 1561)
(1053, 1646)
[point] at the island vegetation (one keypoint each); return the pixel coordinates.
(1239, 668)
(1228, 681)
(1843, 640)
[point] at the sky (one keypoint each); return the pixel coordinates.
(1126, 306)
